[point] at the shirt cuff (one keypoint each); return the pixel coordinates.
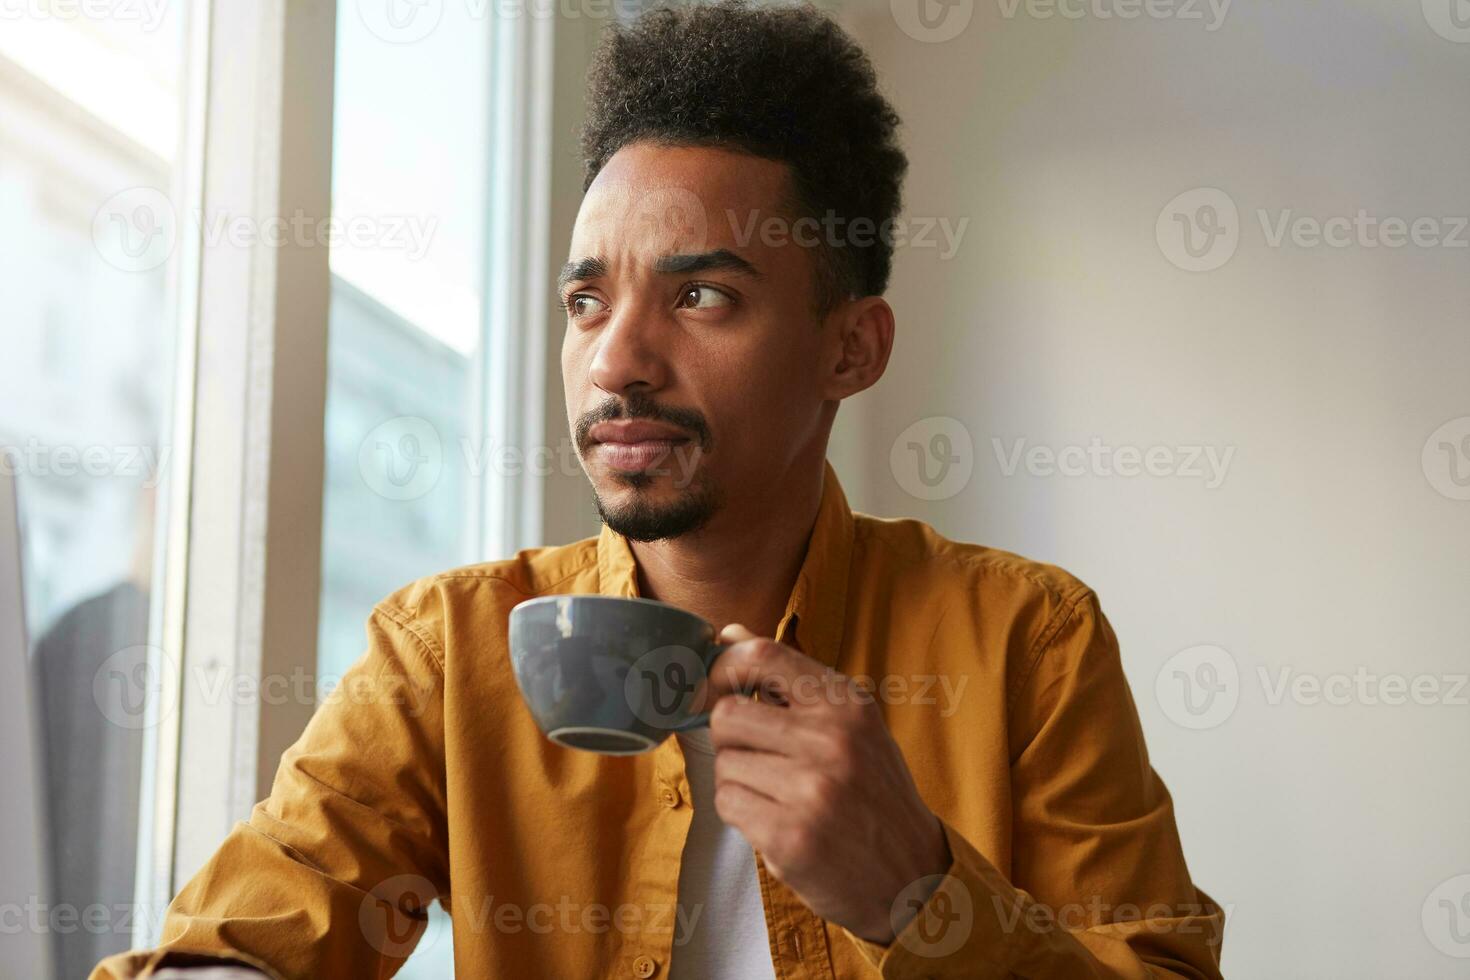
(941, 940)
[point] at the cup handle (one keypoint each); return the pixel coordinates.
(701, 720)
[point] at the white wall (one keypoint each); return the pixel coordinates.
(1329, 545)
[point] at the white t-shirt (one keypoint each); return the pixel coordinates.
(717, 880)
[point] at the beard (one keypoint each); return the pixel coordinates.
(641, 517)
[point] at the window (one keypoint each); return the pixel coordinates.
(165, 323)
(406, 332)
(92, 106)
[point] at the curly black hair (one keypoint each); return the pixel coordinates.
(784, 83)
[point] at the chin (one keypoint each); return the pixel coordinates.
(647, 507)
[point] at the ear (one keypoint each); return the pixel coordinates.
(859, 338)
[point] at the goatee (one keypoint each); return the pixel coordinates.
(641, 520)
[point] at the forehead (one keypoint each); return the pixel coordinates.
(651, 200)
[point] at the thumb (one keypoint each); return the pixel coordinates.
(746, 679)
(734, 633)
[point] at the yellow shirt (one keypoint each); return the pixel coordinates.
(425, 775)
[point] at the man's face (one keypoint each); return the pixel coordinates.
(693, 350)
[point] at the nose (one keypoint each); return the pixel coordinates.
(629, 354)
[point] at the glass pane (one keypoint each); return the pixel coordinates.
(408, 192)
(91, 105)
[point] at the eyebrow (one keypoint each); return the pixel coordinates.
(592, 267)
(580, 270)
(720, 258)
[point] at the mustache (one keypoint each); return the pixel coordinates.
(640, 406)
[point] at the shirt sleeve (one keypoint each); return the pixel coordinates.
(1098, 885)
(333, 873)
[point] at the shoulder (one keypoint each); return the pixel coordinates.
(1006, 604)
(911, 547)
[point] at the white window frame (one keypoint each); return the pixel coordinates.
(242, 568)
(256, 412)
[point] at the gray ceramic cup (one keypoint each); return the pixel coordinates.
(610, 674)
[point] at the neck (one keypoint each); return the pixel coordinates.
(741, 567)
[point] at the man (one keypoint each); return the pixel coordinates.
(923, 758)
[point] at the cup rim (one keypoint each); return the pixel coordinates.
(556, 735)
(582, 596)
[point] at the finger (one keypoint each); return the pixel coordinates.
(734, 633)
(739, 723)
(774, 776)
(747, 810)
(759, 664)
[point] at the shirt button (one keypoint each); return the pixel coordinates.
(643, 966)
(670, 797)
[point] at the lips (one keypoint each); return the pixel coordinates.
(634, 431)
(635, 445)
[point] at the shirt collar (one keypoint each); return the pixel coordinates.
(818, 603)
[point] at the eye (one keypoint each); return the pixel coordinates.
(581, 304)
(698, 296)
